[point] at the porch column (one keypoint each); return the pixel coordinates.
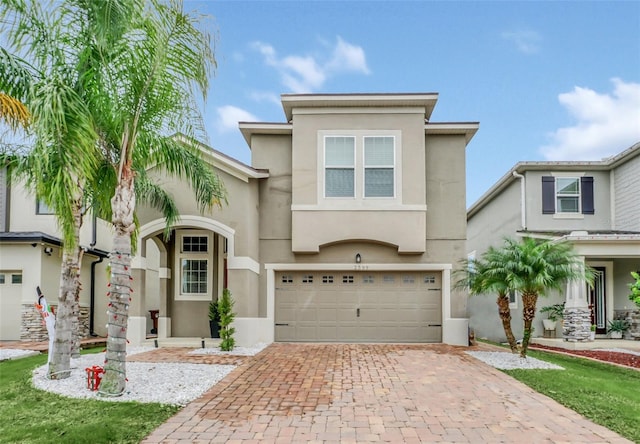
(164, 320)
(576, 322)
(137, 325)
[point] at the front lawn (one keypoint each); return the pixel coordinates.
(606, 394)
(30, 415)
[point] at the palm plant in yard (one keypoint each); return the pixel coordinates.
(106, 83)
(44, 74)
(488, 275)
(148, 92)
(534, 267)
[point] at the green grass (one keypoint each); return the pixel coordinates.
(30, 415)
(606, 394)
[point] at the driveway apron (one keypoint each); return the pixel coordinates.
(293, 393)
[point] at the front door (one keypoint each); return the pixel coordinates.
(597, 301)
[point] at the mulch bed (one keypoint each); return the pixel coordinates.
(620, 358)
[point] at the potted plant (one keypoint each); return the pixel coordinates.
(214, 320)
(616, 328)
(554, 312)
(592, 336)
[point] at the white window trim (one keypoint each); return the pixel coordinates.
(354, 166)
(566, 215)
(179, 256)
(365, 167)
(359, 202)
(513, 305)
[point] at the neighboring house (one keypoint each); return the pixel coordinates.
(345, 228)
(593, 205)
(30, 256)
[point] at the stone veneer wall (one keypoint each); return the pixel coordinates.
(33, 329)
(576, 324)
(633, 319)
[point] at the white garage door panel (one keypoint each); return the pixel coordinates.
(358, 306)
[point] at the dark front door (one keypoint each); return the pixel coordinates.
(597, 301)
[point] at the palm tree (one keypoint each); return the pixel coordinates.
(63, 154)
(535, 267)
(148, 91)
(488, 275)
(13, 112)
(74, 51)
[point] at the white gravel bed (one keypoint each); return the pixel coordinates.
(166, 383)
(15, 353)
(511, 361)
(237, 351)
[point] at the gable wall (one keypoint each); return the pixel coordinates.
(627, 195)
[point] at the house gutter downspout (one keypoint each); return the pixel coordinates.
(523, 202)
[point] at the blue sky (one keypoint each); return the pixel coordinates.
(546, 80)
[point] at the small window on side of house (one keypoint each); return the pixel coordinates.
(16, 278)
(2, 277)
(513, 300)
(43, 208)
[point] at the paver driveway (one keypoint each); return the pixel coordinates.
(373, 392)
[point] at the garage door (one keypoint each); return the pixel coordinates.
(343, 306)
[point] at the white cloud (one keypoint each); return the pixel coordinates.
(306, 73)
(348, 57)
(526, 40)
(229, 116)
(605, 123)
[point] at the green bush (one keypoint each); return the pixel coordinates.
(635, 288)
(225, 311)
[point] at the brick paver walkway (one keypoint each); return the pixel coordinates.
(293, 393)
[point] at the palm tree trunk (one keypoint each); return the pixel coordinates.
(123, 205)
(528, 312)
(66, 342)
(505, 315)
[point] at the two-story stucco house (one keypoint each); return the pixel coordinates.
(594, 205)
(345, 228)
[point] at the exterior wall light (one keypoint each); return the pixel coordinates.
(358, 258)
(48, 251)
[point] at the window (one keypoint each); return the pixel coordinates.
(1, 278)
(307, 279)
(339, 158)
(347, 279)
(327, 279)
(194, 262)
(566, 194)
(16, 278)
(429, 279)
(408, 279)
(359, 164)
(367, 279)
(379, 167)
(513, 300)
(388, 279)
(43, 208)
(194, 276)
(287, 279)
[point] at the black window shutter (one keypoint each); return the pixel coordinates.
(548, 195)
(586, 189)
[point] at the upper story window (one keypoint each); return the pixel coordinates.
(43, 208)
(339, 172)
(360, 165)
(379, 165)
(566, 194)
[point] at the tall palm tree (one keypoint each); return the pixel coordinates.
(488, 275)
(535, 267)
(63, 154)
(76, 51)
(150, 90)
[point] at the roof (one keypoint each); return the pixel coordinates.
(606, 164)
(38, 237)
(224, 162)
(363, 100)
